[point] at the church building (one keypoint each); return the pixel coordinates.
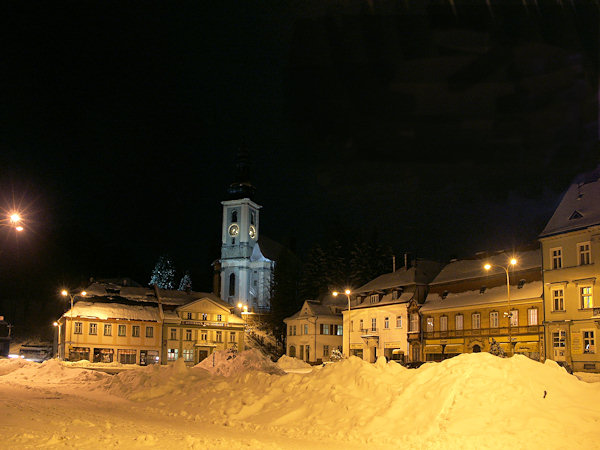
(247, 261)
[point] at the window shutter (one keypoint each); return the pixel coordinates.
(321, 326)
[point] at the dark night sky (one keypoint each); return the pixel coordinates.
(443, 134)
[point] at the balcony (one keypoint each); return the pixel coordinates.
(485, 332)
(205, 323)
(369, 333)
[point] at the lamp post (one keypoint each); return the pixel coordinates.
(513, 262)
(55, 342)
(347, 293)
(66, 293)
(243, 310)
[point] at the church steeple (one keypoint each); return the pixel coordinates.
(241, 186)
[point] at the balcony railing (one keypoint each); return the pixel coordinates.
(205, 323)
(369, 332)
(498, 331)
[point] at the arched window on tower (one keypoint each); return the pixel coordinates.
(252, 218)
(232, 285)
(234, 217)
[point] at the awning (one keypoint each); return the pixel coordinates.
(433, 349)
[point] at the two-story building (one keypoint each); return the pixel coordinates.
(316, 330)
(469, 307)
(384, 318)
(571, 261)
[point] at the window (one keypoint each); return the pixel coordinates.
(476, 321)
(149, 332)
(394, 295)
(532, 316)
(93, 328)
(107, 329)
(352, 325)
(559, 338)
(374, 298)
(203, 335)
(232, 336)
(398, 321)
(233, 216)
(324, 328)
(589, 342)
(445, 294)
(514, 318)
(430, 324)
(360, 325)
(339, 330)
(125, 356)
(122, 330)
(459, 321)
(325, 351)
(305, 328)
(135, 330)
(373, 324)
(78, 327)
(444, 323)
(219, 336)
(386, 322)
(204, 316)
(294, 333)
(188, 355)
(414, 322)
(494, 319)
(232, 285)
(558, 300)
(188, 315)
(219, 317)
(585, 293)
(585, 255)
(556, 257)
(188, 335)
(173, 334)
(172, 354)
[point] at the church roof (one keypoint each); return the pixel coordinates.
(269, 248)
(579, 207)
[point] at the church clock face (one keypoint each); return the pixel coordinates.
(252, 232)
(234, 229)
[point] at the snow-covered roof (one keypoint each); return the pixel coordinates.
(312, 308)
(579, 206)
(105, 311)
(466, 269)
(496, 294)
(423, 272)
(405, 297)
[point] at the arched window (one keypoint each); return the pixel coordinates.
(292, 352)
(232, 285)
(234, 217)
(252, 218)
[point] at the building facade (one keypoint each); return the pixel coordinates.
(316, 330)
(468, 308)
(384, 320)
(571, 262)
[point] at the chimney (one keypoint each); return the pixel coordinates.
(406, 261)
(393, 263)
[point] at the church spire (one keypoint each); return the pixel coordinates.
(241, 187)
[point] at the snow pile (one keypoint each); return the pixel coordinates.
(227, 362)
(10, 365)
(286, 362)
(48, 372)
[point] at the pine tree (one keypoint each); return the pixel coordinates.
(368, 260)
(495, 349)
(163, 274)
(186, 282)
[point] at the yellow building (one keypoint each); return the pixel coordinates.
(384, 319)
(467, 307)
(571, 261)
(316, 330)
(197, 329)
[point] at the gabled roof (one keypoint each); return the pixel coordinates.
(405, 297)
(105, 311)
(312, 308)
(422, 273)
(579, 207)
(466, 269)
(211, 298)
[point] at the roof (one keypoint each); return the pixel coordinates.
(104, 311)
(496, 294)
(579, 207)
(466, 269)
(312, 308)
(269, 248)
(404, 298)
(423, 272)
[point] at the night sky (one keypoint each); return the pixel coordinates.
(442, 134)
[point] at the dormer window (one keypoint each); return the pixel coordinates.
(482, 289)
(521, 283)
(575, 215)
(444, 294)
(394, 295)
(374, 298)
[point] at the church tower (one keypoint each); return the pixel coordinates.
(246, 274)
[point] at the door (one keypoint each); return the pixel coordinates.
(202, 355)
(308, 352)
(143, 361)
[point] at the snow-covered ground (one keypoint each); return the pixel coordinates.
(472, 401)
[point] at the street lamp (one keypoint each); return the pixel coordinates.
(513, 262)
(15, 221)
(347, 292)
(244, 310)
(66, 293)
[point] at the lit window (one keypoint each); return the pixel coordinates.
(219, 336)
(430, 324)
(556, 257)
(93, 328)
(324, 328)
(126, 356)
(386, 323)
(444, 323)
(122, 330)
(494, 319)
(476, 321)
(135, 330)
(188, 355)
(107, 329)
(232, 337)
(558, 300)
(459, 321)
(559, 338)
(78, 327)
(398, 321)
(204, 316)
(173, 334)
(532, 316)
(149, 332)
(373, 324)
(589, 342)
(585, 255)
(414, 322)
(339, 330)
(585, 293)
(188, 335)
(172, 354)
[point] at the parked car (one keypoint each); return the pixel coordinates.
(36, 352)
(413, 364)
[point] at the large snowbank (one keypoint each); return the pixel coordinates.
(227, 362)
(287, 362)
(48, 372)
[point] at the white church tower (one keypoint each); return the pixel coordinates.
(246, 274)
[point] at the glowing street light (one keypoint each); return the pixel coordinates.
(347, 292)
(512, 263)
(15, 218)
